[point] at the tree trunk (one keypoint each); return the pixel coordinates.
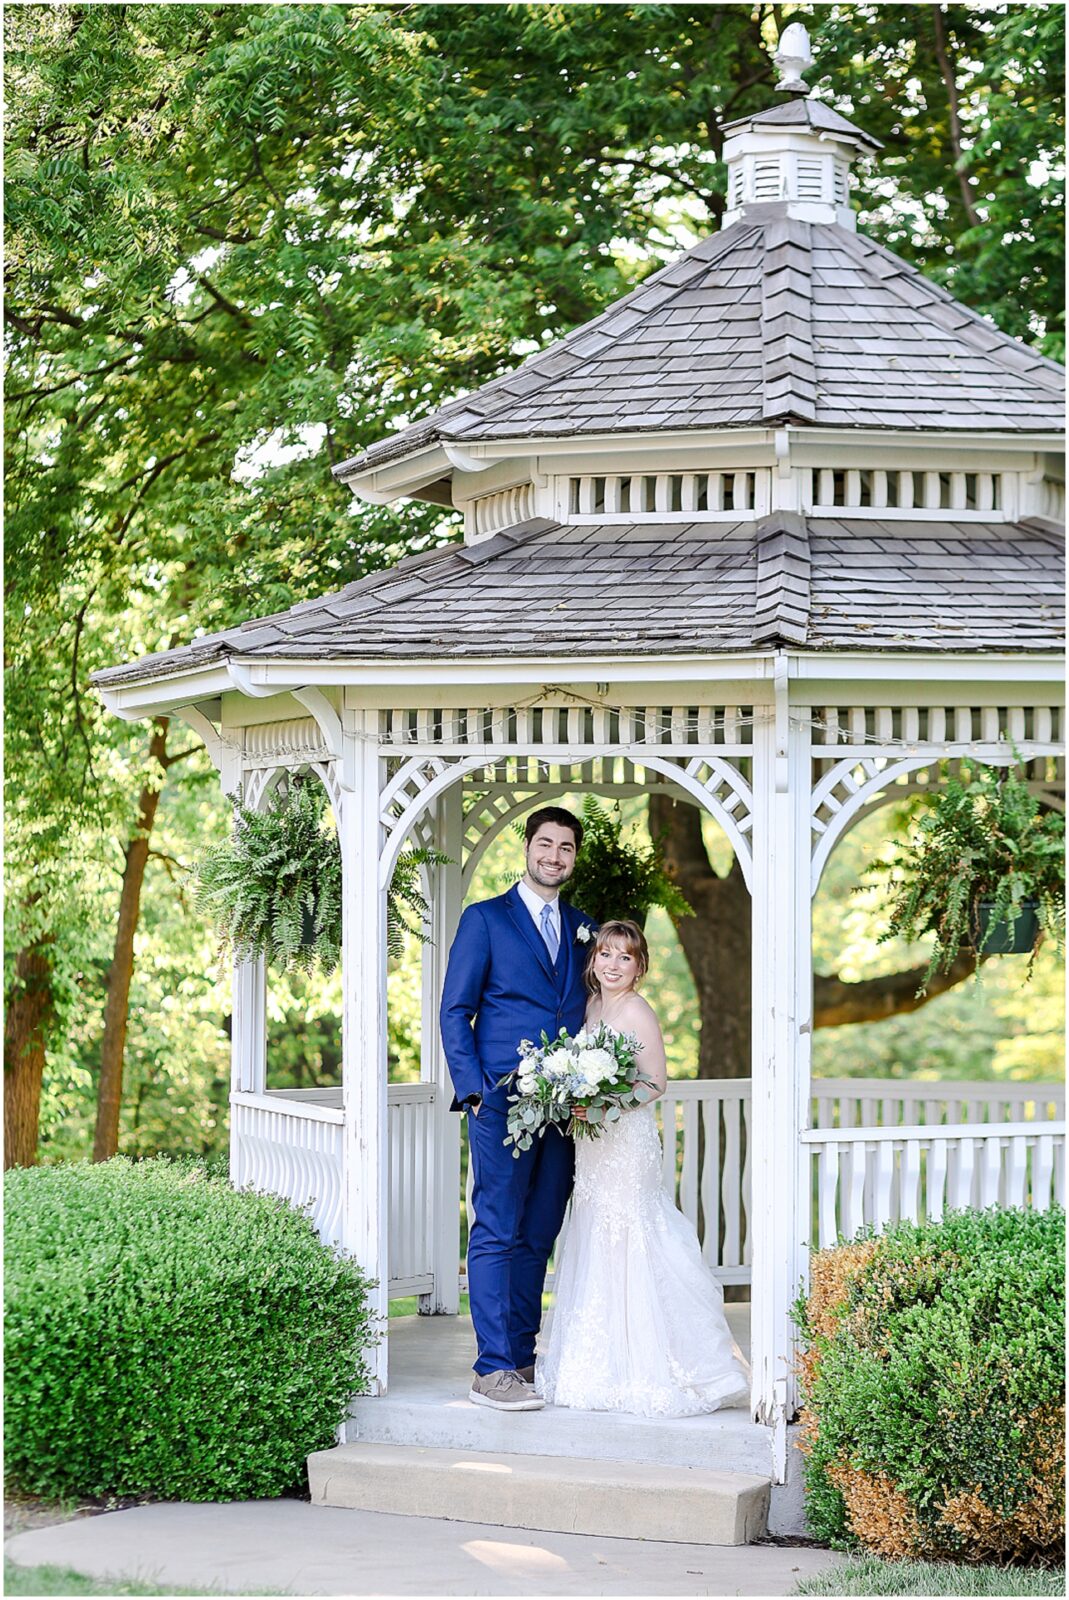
(121, 971)
(716, 943)
(30, 1008)
(716, 940)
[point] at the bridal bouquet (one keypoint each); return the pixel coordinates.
(595, 1070)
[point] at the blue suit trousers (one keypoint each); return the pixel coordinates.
(519, 1205)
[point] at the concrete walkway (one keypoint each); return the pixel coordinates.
(288, 1547)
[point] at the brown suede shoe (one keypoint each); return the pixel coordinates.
(504, 1391)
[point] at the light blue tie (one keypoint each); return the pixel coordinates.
(549, 933)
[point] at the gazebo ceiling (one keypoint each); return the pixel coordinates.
(662, 588)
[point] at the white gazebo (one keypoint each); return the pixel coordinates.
(781, 531)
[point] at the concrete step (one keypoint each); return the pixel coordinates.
(612, 1499)
(427, 1404)
(727, 1440)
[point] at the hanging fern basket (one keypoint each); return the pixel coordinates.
(308, 924)
(1005, 939)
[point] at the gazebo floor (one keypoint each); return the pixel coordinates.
(430, 1374)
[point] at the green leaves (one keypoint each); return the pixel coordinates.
(186, 1341)
(275, 887)
(614, 878)
(936, 1367)
(981, 837)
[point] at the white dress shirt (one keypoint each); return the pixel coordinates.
(535, 904)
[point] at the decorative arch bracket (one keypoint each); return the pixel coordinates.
(342, 748)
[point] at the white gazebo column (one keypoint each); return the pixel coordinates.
(782, 1024)
(364, 1151)
(444, 1189)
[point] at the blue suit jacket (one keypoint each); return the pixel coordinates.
(500, 987)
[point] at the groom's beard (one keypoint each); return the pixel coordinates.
(547, 880)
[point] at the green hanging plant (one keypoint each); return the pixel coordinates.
(615, 879)
(274, 888)
(982, 857)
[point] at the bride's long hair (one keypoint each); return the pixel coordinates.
(623, 932)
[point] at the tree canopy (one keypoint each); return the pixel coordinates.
(244, 241)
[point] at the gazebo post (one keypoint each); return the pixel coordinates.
(446, 902)
(782, 1026)
(364, 1150)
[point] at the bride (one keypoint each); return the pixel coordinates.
(638, 1321)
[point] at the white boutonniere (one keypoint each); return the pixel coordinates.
(583, 933)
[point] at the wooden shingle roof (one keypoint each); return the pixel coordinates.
(773, 320)
(676, 588)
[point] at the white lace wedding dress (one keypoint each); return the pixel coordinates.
(638, 1319)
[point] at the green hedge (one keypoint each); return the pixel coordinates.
(933, 1387)
(167, 1336)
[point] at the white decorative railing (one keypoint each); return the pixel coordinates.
(884, 1103)
(287, 1145)
(411, 1127)
(881, 1175)
(705, 1138)
(289, 1142)
(881, 1150)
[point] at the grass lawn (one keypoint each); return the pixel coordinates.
(869, 1575)
(62, 1581)
(409, 1307)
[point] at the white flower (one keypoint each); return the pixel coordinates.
(558, 1064)
(582, 933)
(527, 1083)
(596, 1065)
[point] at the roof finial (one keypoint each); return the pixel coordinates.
(793, 57)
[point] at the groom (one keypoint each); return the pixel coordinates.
(516, 968)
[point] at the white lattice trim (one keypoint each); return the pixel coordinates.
(712, 496)
(877, 491)
(492, 512)
(943, 727)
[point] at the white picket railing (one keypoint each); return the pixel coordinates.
(875, 1151)
(289, 1142)
(881, 1175)
(410, 1121)
(290, 1145)
(884, 1103)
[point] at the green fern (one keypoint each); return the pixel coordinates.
(281, 870)
(981, 838)
(617, 879)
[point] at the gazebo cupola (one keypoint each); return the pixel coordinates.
(797, 154)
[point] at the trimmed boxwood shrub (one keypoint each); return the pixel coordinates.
(933, 1388)
(166, 1336)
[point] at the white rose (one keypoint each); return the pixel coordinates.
(595, 1065)
(558, 1064)
(527, 1083)
(582, 933)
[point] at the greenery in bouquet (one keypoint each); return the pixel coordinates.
(595, 1070)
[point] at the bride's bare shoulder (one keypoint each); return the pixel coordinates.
(637, 1010)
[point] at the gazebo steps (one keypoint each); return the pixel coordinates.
(427, 1405)
(726, 1441)
(548, 1493)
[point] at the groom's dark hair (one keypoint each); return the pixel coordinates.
(557, 814)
